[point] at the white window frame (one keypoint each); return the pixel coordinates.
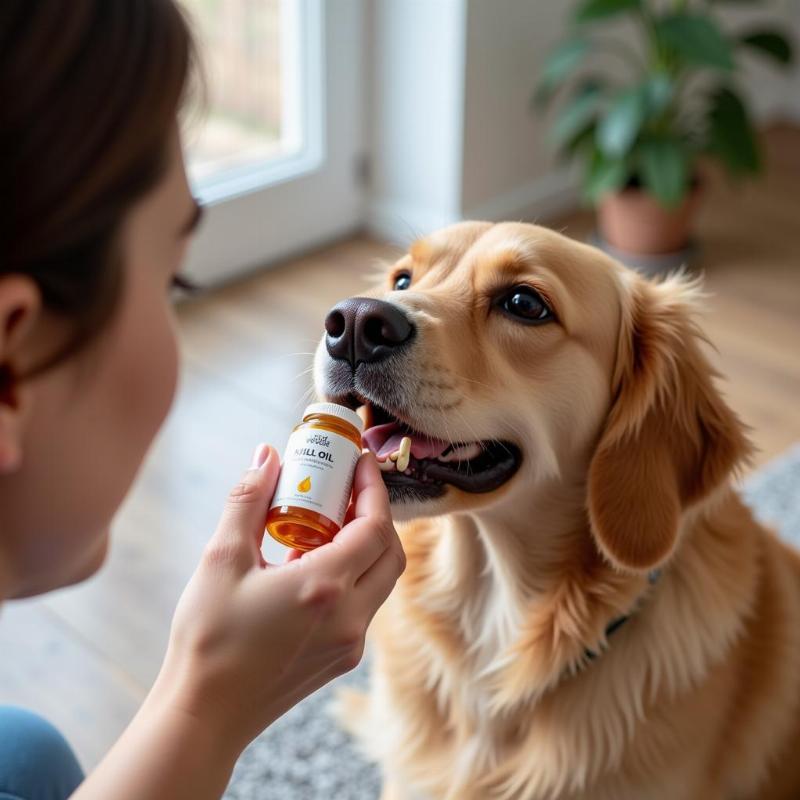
(258, 215)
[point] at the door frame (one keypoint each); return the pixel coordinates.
(257, 216)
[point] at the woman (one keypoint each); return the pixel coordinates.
(95, 225)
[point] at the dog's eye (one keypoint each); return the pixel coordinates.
(526, 304)
(402, 282)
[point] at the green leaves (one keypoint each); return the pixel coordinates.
(605, 175)
(579, 112)
(664, 168)
(633, 110)
(591, 10)
(731, 136)
(659, 90)
(620, 126)
(769, 43)
(558, 66)
(652, 122)
(696, 38)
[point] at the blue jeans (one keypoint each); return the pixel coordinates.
(36, 763)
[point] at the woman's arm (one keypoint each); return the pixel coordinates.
(164, 753)
(249, 640)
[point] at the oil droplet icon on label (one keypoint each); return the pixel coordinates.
(304, 485)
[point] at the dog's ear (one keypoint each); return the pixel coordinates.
(669, 439)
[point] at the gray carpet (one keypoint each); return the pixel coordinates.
(304, 756)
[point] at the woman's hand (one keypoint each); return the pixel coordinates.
(249, 640)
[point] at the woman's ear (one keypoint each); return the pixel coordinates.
(669, 439)
(20, 304)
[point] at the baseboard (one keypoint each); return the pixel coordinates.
(539, 200)
(778, 109)
(400, 223)
(787, 112)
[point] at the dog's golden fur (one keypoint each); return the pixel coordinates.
(481, 686)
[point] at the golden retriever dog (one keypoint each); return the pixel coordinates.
(589, 609)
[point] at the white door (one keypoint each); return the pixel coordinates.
(275, 156)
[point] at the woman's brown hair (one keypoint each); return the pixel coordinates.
(89, 91)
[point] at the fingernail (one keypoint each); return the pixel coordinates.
(259, 456)
(268, 456)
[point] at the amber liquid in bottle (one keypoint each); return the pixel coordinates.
(299, 527)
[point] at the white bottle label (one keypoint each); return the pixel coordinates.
(317, 473)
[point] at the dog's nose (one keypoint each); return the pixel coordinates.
(362, 329)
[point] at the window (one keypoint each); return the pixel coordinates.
(275, 167)
(242, 44)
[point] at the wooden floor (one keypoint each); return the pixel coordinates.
(84, 657)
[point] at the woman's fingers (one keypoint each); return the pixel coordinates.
(260, 455)
(371, 532)
(376, 584)
(363, 541)
(241, 527)
(350, 514)
(370, 497)
(292, 555)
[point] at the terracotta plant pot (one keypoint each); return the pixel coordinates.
(634, 222)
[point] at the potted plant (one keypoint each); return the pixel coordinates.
(640, 114)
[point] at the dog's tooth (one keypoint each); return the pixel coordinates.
(386, 466)
(463, 452)
(474, 450)
(404, 454)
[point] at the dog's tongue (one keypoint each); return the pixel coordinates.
(386, 438)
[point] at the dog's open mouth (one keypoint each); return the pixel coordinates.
(480, 466)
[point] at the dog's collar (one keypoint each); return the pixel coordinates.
(618, 622)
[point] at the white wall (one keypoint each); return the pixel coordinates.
(416, 115)
(508, 169)
(773, 93)
(455, 136)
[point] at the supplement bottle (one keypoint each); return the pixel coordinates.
(316, 478)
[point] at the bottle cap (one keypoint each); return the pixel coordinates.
(335, 410)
